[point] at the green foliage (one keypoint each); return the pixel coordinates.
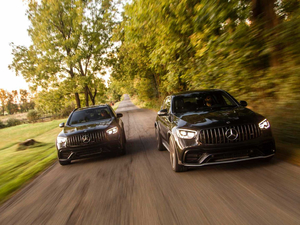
(13, 122)
(3, 99)
(114, 91)
(65, 111)
(101, 92)
(71, 40)
(248, 48)
(33, 116)
(11, 107)
(2, 125)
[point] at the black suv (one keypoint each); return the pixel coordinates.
(210, 127)
(90, 131)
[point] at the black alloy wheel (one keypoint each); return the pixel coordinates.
(173, 157)
(160, 146)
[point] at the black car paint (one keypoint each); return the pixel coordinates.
(112, 143)
(167, 122)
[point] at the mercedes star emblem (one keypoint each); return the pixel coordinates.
(231, 134)
(85, 139)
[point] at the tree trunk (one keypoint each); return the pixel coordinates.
(86, 94)
(156, 85)
(93, 97)
(264, 14)
(77, 100)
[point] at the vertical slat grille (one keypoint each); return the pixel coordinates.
(93, 137)
(218, 135)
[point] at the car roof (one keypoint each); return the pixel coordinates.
(195, 91)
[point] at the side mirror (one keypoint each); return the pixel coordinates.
(163, 112)
(243, 103)
(61, 125)
(119, 115)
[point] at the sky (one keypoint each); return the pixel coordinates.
(14, 25)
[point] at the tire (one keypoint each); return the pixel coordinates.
(174, 159)
(123, 149)
(160, 146)
(64, 163)
(124, 136)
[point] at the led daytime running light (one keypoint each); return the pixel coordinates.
(113, 130)
(263, 125)
(186, 134)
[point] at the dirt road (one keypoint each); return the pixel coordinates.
(141, 188)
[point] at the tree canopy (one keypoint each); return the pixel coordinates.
(246, 47)
(70, 44)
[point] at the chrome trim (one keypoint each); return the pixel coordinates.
(229, 161)
(164, 144)
(229, 134)
(204, 157)
(70, 156)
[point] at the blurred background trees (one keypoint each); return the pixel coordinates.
(249, 48)
(15, 101)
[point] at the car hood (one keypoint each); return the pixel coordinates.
(87, 127)
(218, 118)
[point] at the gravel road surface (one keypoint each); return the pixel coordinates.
(141, 188)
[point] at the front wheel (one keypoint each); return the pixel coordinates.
(123, 148)
(124, 136)
(64, 163)
(174, 159)
(160, 146)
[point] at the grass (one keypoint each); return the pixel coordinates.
(19, 166)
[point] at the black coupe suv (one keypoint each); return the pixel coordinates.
(210, 127)
(90, 131)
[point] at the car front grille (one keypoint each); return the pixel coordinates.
(77, 140)
(218, 135)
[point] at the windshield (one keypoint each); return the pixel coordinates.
(201, 101)
(89, 115)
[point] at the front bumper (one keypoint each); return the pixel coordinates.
(85, 151)
(226, 153)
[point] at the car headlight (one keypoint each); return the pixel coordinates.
(265, 124)
(61, 142)
(186, 134)
(112, 130)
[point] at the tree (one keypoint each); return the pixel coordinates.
(3, 99)
(70, 40)
(11, 106)
(23, 100)
(169, 46)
